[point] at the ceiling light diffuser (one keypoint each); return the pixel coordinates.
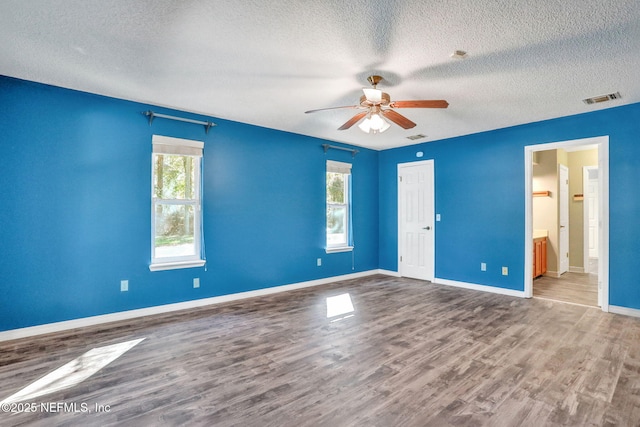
(374, 124)
(373, 95)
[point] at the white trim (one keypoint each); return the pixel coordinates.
(602, 143)
(181, 261)
(389, 273)
(336, 249)
(176, 265)
(573, 269)
(625, 311)
(603, 218)
(528, 222)
(167, 308)
(345, 170)
(399, 203)
(482, 288)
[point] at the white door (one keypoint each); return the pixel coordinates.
(591, 224)
(563, 206)
(415, 220)
(591, 200)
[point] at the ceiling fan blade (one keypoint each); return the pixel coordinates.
(433, 103)
(398, 119)
(333, 108)
(353, 120)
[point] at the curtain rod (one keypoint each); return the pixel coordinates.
(335, 147)
(152, 115)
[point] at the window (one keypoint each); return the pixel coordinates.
(176, 212)
(338, 183)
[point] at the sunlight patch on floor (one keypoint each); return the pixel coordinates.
(339, 305)
(74, 372)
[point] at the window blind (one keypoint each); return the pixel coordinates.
(338, 167)
(177, 146)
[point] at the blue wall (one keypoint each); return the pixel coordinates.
(75, 207)
(479, 189)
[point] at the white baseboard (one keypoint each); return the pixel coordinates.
(633, 312)
(553, 274)
(389, 273)
(576, 269)
(483, 288)
(167, 308)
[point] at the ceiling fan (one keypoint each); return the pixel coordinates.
(377, 106)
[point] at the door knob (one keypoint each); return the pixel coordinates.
(426, 228)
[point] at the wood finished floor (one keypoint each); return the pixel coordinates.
(412, 354)
(578, 288)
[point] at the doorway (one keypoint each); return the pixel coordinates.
(416, 207)
(575, 271)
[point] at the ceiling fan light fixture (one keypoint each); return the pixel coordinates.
(374, 104)
(376, 121)
(385, 125)
(374, 124)
(365, 125)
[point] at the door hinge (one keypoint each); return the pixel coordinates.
(400, 258)
(400, 178)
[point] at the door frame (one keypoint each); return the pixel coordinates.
(602, 143)
(431, 249)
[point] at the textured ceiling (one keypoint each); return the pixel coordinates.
(266, 62)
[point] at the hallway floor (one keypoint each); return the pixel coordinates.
(577, 288)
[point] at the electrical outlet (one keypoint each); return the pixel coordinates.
(505, 271)
(124, 285)
(196, 282)
(483, 266)
(319, 262)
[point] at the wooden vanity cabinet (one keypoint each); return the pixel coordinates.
(539, 256)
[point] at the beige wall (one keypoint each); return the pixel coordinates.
(577, 160)
(545, 209)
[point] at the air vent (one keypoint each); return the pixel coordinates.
(418, 136)
(602, 98)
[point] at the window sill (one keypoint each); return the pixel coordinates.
(339, 249)
(176, 264)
